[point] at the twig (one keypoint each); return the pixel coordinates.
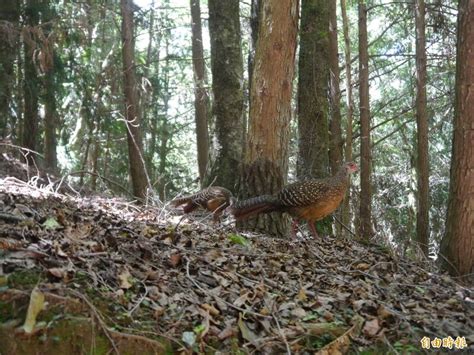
(345, 227)
(283, 337)
(219, 299)
(139, 302)
(99, 318)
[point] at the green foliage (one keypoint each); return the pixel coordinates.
(237, 239)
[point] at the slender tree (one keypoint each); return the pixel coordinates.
(266, 161)
(313, 78)
(9, 16)
(135, 145)
(364, 108)
(457, 246)
(31, 82)
(350, 105)
(201, 99)
(422, 161)
(50, 114)
(335, 141)
(227, 78)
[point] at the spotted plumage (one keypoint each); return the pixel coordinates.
(215, 199)
(310, 200)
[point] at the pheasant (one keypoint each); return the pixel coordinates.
(214, 198)
(310, 200)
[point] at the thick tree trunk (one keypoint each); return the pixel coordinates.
(457, 247)
(266, 161)
(31, 82)
(335, 141)
(365, 227)
(422, 161)
(135, 145)
(9, 16)
(227, 78)
(350, 107)
(313, 79)
(201, 99)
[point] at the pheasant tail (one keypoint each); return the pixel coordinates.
(254, 206)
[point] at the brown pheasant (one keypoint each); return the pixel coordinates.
(310, 200)
(214, 198)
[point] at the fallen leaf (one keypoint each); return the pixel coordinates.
(213, 311)
(362, 266)
(36, 305)
(175, 259)
(124, 279)
(237, 239)
(247, 334)
(189, 338)
(57, 272)
(51, 224)
(371, 328)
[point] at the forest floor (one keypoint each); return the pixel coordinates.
(99, 275)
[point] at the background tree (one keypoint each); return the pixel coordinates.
(365, 146)
(30, 132)
(266, 161)
(457, 247)
(132, 118)
(49, 65)
(349, 104)
(313, 79)
(227, 79)
(9, 16)
(201, 102)
(422, 158)
(335, 137)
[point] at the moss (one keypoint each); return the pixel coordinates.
(24, 279)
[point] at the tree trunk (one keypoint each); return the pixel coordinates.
(457, 246)
(31, 82)
(365, 227)
(201, 100)
(9, 16)
(313, 78)
(335, 141)
(135, 145)
(50, 114)
(350, 107)
(266, 161)
(422, 161)
(227, 78)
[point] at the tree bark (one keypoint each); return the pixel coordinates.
(350, 107)
(201, 99)
(457, 246)
(313, 78)
(335, 141)
(135, 145)
(9, 16)
(227, 78)
(31, 83)
(266, 161)
(422, 161)
(50, 114)
(365, 227)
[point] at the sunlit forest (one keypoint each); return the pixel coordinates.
(231, 119)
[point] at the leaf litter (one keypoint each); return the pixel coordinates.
(209, 288)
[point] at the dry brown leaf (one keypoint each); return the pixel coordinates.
(371, 328)
(124, 279)
(362, 266)
(57, 272)
(213, 311)
(175, 259)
